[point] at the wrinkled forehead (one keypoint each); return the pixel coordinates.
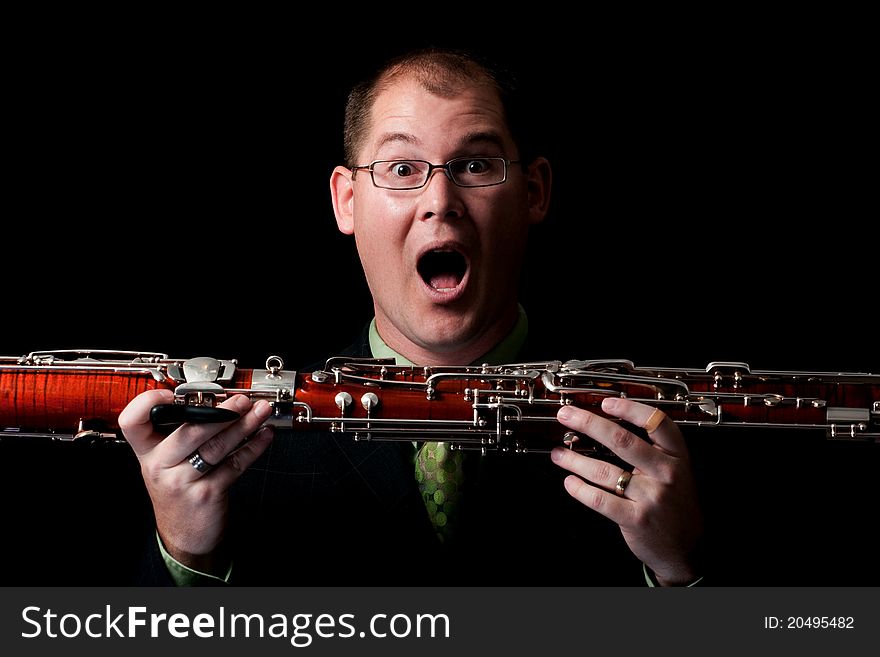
(406, 107)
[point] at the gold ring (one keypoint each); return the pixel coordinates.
(622, 482)
(654, 421)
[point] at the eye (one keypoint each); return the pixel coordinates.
(476, 167)
(403, 169)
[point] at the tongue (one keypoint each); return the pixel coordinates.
(444, 281)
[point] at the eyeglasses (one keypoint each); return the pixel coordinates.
(412, 174)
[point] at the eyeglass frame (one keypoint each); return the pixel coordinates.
(433, 167)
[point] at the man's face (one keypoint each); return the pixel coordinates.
(442, 261)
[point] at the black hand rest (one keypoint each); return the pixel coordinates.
(173, 415)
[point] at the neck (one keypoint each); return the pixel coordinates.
(465, 353)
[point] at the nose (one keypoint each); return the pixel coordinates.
(440, 197)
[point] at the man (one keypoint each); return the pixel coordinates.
(439, 191)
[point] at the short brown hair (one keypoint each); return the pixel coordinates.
(442, 72)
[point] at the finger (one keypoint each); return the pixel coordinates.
(214, 440)
(611, 506)
(593, 470)
(612, 435)
(231, 467)
(661, 430)
(223, 444)
(135, 420)
(188, 437)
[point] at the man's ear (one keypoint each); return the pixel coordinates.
(539, 179)
(342, 191)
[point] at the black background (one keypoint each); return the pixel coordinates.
(711, 201)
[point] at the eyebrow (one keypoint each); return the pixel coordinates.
(390, 137)
(482, 136)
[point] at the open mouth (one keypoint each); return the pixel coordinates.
(443, 269)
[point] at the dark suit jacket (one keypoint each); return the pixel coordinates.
(321, 509)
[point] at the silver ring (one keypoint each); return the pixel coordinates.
(195, 460)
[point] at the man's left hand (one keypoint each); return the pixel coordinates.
(657, 507)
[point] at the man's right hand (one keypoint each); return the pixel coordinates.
(191, 507)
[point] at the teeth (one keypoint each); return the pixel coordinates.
(443, 274)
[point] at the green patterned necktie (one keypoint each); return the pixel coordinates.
(440, 477)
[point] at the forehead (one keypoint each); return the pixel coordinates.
(405, 111)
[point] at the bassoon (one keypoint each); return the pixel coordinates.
(78, 395)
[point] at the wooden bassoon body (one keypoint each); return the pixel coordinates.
(78, 395)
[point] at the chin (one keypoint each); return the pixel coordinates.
(444, 331)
